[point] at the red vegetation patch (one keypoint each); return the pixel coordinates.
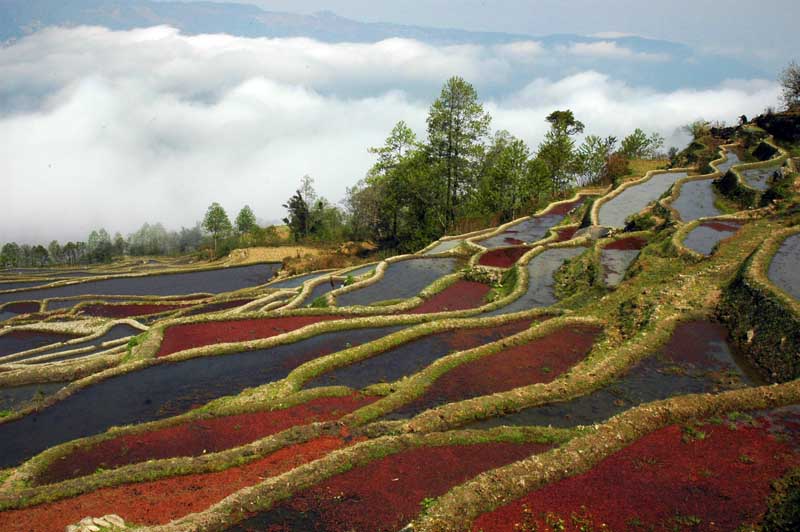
(564, 208)
(458, 296)
(127, 310)
(180, 337)
(724, 227)
(197, 437)
(562, 235)
(540, 360)
(22, 308)
(628, 244)
(161, 501)
(386, 494)
(662, 482)
(503, 257)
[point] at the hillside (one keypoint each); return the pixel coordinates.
(623, 359)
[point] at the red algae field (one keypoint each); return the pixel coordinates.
(460, 296)
(710, 475)
(181, 337)
(160, 501)
(385, 494)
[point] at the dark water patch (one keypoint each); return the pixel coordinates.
(541, 270)
(22, 284)
(164, 390)
(121, 330)
(731, 159)
(7, 315)
(444, 246)
(14, 397)
(18, 341)
(697, 359)
(704, 238)
(525, 232)
(413, 356)
(401, 280)
(696, 200)
(759, 178)
(635, 198)
(170, 284)
(784, 270)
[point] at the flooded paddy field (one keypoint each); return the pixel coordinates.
(633, 199)
(705, 237)
(170, 284)
(617, 257)
(401, 280)
(541, 270)
(784, 270)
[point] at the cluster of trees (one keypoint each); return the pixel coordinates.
(419, 189)
(150, 239)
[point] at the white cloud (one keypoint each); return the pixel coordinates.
(112, 129)
(609, 50)
(613, 34)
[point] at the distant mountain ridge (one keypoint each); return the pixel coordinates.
(686, 68)
(20, 17)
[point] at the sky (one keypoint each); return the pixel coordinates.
(112, 129)
(764, 32)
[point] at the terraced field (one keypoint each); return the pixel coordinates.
(535, 376)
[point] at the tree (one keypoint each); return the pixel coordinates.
(388, 182)
(697, 129)
(503, 184)
(39, 256)
(245, 220)
(594, 154)
(790, 81)
(119, 245)
(638, 145)
(557, 151)
(10, 255)
(216, 222)
(299, 218)
(457, 125)
(54, 250)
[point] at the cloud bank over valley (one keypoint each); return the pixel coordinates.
(110, 129)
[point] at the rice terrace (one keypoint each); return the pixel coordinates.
(595, 334)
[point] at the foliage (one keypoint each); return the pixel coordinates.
(557, 151)
(311, 217)
(784, 504)
(216, 222)
(457, 124)
(790, 83)
(638, 145)
(598, 159)
(245, 220)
